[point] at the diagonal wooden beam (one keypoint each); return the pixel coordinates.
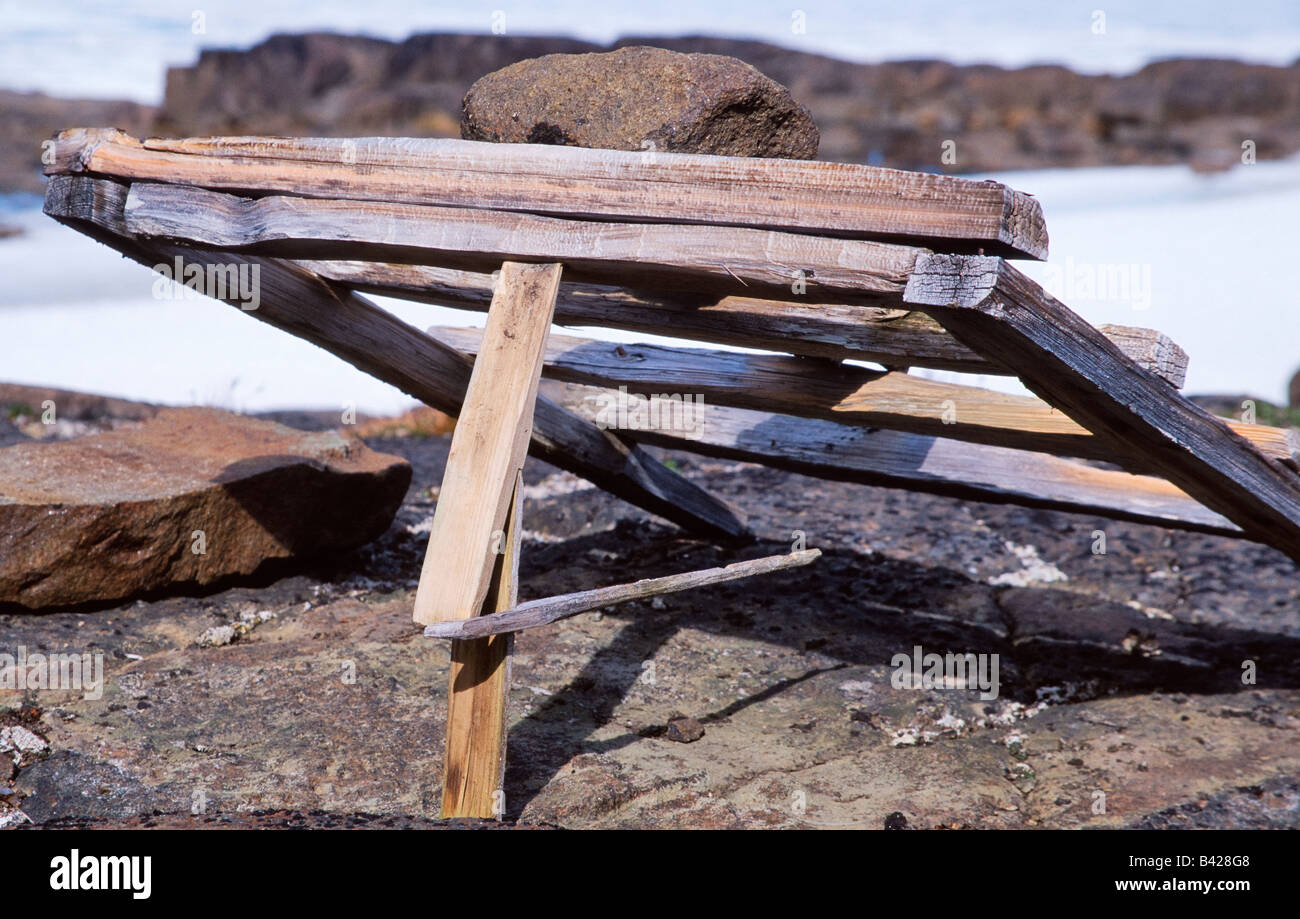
(375, 341)
(994, 308)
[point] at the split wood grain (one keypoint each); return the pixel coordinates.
(893, 337)
(474, 758)
(488, 446)
(831, 391)
(722, 260)
(894, 459)
(839, 199)
(376, 342)
(994, 308)
(535, 613)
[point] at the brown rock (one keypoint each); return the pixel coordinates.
(114, 515)
(633, 97)
(1293, 391)
(684, 730)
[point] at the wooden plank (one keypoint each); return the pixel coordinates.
(840, 199)
(723, 260)
(893, 337)
(474, 759)
(488, 446)
(835, 392)
(894, 459)
(541, 612)
(1150, 350)
(375, 341)
(996, 309)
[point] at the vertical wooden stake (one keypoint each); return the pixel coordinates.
(466, 572)
(473, 546)
(475, 762)
(489, 445)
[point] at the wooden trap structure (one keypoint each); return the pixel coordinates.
(813, 263)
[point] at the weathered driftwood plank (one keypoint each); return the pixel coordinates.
(829, 391)
(894, 459)
(723, 260)
(1150, 350)
(825, 198)
(489, 445)
(374, 340)
(536, 613)
(895, 338)
(474, 760)
(996, 309)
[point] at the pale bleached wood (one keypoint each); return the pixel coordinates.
(535, 613)
(893, 337)
(488, 446)
(829, 391)
(474, 760)
(996, 309)
(841, 199)
(373, 340)
(723, 260)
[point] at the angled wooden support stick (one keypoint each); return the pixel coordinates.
(536, 613)
(478, 516)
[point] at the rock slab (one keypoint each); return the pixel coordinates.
(640, 98)
(191, 498)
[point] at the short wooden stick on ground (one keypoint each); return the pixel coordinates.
(536, 613)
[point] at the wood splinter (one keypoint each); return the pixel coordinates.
(541, 612)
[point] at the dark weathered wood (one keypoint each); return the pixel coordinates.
(994, 308)
(834, 392)
(894, 459)
(374, 340)
(1150, 350)
(723, 260)
(840, 199)
(893, 337)
(536, 613)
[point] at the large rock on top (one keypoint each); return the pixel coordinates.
(638, 96)
(192, 497)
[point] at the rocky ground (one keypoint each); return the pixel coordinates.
(765, 703)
